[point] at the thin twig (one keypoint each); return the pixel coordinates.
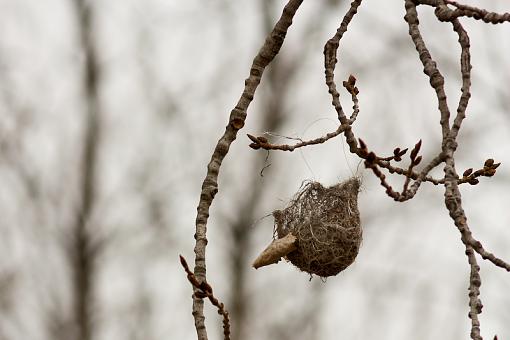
(330, 61)
(446, 14)
(262, 143)
(203, 290)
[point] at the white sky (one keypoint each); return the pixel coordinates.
(173, 72)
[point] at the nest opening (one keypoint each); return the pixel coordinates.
(326, 224)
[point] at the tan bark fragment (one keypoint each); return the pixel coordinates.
(275, 251)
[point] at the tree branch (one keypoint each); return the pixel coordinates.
(237, 119)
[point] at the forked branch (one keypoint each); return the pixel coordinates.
(450, 130)
(445, 11)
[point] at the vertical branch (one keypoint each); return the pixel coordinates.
(449, 145)
(237, 118)
(452, 194)
(465, 68)
(454, 205)
(82, 253)
(429, 65)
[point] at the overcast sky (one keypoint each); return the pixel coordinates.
(172, 71)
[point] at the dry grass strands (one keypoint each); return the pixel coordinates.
(326, 224)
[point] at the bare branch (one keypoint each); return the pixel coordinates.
(237, 119)
(444, 13)
(202, 290)
(330, 61)
(83, 250)
(429, 65)
(262, 143)
(413, 178)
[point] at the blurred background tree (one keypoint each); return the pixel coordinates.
(109, 111)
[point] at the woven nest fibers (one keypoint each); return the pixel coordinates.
(326, 224)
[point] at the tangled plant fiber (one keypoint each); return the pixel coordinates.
(323, 225)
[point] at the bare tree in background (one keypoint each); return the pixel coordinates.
(63, 217)
(445, 11)
(83, 248)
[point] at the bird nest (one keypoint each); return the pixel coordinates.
(326, 225)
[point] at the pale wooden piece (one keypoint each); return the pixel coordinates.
(275, 251)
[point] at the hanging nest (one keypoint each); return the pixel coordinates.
(319, 232)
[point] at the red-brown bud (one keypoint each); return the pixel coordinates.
(467, 172)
